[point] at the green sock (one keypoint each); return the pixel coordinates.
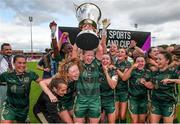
(161, 120)
(175, 121)
(117, 121)
(123, 121)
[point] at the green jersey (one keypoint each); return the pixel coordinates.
(136, 88)
(69, 96)
(18, 87)
(106, 90)
(122, 85)
(164, 92)
(88, 82)
(59, 57)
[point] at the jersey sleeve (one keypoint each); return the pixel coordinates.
(3, 77)
(34, 76)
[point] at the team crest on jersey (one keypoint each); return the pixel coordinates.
(122, 68)
(26, 79)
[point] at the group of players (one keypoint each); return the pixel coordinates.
(95, 85)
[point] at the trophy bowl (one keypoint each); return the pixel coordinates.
(88, 11)
(87, 40)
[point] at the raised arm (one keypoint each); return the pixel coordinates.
(75, 51)
(63, 36)
(167, 81)
(127, 74)
(138, 50)
(44, 85)
(112, 81)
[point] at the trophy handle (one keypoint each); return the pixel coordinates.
(75, 5)
(98, 27)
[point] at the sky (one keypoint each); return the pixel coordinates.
(160, 17)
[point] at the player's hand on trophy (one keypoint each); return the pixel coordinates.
(53, 32)
(53, 27)
(106, 22)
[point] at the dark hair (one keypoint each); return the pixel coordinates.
(47, 50)
(172, 45)
(4, 44)
(55, 82)
(65, 44)
(149, 51)
(126, 51)
(84, 51)
(163, 46)
(139, 56)
(18, 56)
(167, 55)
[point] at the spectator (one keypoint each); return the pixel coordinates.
(5, 65)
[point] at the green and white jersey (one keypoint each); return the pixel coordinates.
(88, 82)
(122, 85)
(18, 87)
(164, 92)
(106, 90)
(136, 88)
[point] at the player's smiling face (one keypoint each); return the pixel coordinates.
(73, 72)
(106, 60)
(20, 65)
(162, 61)
(88, 56)
(141, 63)
(113, 49)
(61, 90)
(121, 55)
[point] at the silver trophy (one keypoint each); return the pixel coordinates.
(88, 15)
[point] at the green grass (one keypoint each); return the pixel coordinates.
(35, 92)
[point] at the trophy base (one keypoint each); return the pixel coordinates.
(87, 40)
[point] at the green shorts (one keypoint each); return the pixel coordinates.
(137, 106)
(122, 96)
(89, 107)
(11, 113)
(108, 105)
(65, 105)
(166, 110)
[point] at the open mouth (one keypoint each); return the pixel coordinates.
(76, 77)
(105, 63)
